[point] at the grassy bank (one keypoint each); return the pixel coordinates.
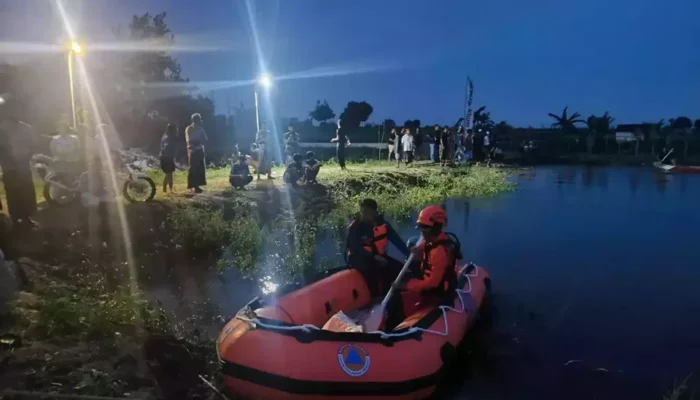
(90, 305)
(288, 222)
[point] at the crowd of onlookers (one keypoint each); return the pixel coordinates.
(446, 145)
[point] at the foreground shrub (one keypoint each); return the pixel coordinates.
(96, 314)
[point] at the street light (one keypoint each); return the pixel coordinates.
(264, 81)
(74, 49)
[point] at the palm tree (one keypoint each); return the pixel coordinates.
(482, 119)
(565, 122)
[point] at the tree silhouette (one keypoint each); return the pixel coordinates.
(17, 87)
(597, 126)
(680, 128)
(322, 112)
(389, 124)
(680, 123)
(502, 128)
(412, 124)
(356, 113)
(696, 126)
(565, 122)
(482, 119)
(172, 102)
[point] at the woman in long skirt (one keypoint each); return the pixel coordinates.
(196, 137)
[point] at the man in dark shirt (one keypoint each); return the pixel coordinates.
(240, 173)
(368, 238)
(311, 167)
(445, 146)
(435, 144)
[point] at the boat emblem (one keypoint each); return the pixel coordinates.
(225, 334)
(353, 360)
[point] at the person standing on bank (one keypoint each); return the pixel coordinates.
(291, 143)
(398, 149)
(392, 143)
(168, 144)
(16, 148)
(417, 144)
(407, 142)
(264, 152)
(196, 137)
(341, 138)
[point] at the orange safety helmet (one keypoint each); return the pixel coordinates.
(432, 215)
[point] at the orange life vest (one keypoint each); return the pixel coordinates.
(380, 240)
(449, 278)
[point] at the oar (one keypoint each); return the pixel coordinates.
(374, 321)
(666, 156)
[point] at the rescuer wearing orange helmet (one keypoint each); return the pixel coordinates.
(369, 236)
(436, 278)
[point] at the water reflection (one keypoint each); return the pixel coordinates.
(662, 181)
(588, 175)
(575, 274)
(566, 175)
(602, 175)
(633, 178)
(461, 209)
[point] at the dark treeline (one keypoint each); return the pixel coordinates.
(140, 92)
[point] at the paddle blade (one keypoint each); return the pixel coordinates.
(375, 319)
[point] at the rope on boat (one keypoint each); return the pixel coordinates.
(385, 335)
(47, 395)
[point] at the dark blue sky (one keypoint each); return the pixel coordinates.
(638, 59)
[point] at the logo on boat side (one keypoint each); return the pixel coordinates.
(225, 334)
(354, 360)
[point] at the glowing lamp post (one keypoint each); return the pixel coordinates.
(264, 81)
(75, 49)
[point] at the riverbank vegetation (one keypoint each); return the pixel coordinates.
(94, 300)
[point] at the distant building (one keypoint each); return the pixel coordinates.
(632, 132)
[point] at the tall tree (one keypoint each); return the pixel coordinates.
(322, 112)
(566, 122)
(144, 73)
(356, 113)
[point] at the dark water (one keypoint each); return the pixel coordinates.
(596, 275)
(600, 265)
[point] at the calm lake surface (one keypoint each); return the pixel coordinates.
(596, 281)
(598, 265)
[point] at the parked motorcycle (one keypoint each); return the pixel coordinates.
(62, 188)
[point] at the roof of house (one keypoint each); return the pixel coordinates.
(631, 128)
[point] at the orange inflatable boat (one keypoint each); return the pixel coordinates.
(277, 347)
